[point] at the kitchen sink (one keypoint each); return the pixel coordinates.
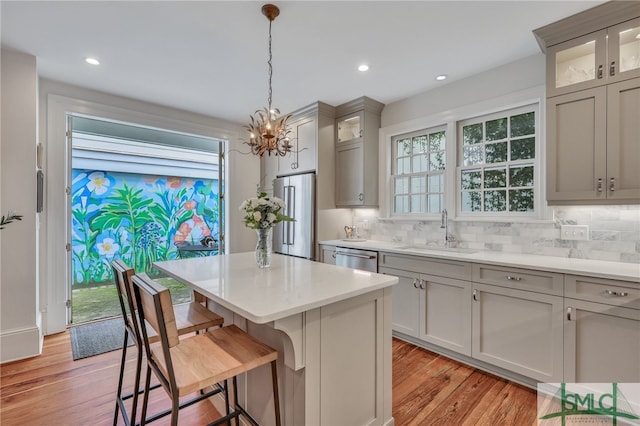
(427, 249)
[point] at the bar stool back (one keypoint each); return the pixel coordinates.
(187, 365)
(191, 317)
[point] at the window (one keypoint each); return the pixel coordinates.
(418, 171)
(497, 160)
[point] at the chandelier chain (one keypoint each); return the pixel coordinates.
(270, 68)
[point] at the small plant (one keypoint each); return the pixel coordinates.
(10, 217)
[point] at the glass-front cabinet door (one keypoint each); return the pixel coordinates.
(576, 64)
(624, 51)
(350, 127)
(599, 58)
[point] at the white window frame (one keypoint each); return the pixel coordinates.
(534, 95)
(535, 162)
(413, 174)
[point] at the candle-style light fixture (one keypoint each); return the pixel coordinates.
(268, 133)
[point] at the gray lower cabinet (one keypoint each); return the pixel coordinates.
(518, 330)
(517, 320)
(602, 330)
(433, 309)
(432, 301)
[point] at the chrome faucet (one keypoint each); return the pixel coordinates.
(444, 224)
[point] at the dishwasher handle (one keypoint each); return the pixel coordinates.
(361, 256)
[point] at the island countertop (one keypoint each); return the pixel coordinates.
(290, 286)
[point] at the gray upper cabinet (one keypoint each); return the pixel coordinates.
(304, 139)
(592, 145)
(312, 136)
(596, 59)
(593, 105)
(356, 153)
(593, 48)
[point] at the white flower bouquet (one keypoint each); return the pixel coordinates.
(262, 212)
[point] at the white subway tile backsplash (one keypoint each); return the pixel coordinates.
(614, 233)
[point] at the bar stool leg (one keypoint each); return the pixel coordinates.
(145, 398)
(276, 399)
(120, 379)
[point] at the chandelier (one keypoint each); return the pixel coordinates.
(268, 133)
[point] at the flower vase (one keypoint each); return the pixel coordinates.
(263, 248)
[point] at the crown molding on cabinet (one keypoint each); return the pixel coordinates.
(588, 21)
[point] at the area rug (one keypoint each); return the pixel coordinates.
(97, 338)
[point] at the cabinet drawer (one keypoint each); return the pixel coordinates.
(618, 293)
(523, 279)
(432, 266)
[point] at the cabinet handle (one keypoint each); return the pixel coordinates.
(612, 184)
(333, 254)
(475, 295)
(361, 196)
(568, 314)
(600, 71)
(510, 278)
(415, 283)
(599, 187)
(421, 284)
(612, 68)
(616, 293)
(360, 132)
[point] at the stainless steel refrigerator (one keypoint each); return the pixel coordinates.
(299, 194)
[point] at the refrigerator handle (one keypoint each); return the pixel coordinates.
(292, 205)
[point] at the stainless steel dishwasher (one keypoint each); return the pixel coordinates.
(364, 260)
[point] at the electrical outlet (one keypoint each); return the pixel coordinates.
(574, 232)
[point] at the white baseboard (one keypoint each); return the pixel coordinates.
(20, 343)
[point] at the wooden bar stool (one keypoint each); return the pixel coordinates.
(185, 366)
(190, 317)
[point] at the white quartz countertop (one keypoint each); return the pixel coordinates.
(290, 286)
(588, 267)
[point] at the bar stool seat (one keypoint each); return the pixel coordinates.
(184, 366)
(190, 317)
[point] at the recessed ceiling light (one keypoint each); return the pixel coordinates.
(92, 61)
(441, 77)
(363, 67)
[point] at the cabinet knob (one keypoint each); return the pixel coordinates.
(599, 186)
(600, 73)
(361, 196)
(475, 295)
(612, 184)
(421, 284)
(568, 314)
(415, 283)
(612, 68)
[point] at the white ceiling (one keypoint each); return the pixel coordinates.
(210, 57)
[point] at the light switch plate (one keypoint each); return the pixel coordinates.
(574, 232)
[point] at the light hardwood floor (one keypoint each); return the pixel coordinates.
(428, 389)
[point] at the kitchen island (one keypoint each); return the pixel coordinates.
(330, 325)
